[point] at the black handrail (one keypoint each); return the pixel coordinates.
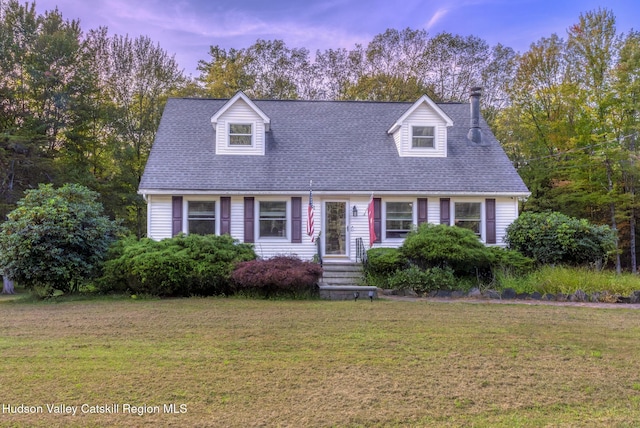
(361, 252)
(319, 249)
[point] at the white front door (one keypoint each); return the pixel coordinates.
(335, 228)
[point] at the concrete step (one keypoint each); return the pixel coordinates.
(342, 274)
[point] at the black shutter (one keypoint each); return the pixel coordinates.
(296, 220)
(377, 218)
(176, 215)
(490, 207)
(249, 220)
(422, 211)
(445, 211)
(225, 215)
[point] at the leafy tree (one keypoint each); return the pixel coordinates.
(136, 78)
(55, 238)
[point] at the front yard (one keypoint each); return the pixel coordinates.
(242, 362)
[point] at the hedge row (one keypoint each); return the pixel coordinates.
(195, 265)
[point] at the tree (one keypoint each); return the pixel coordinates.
(136, 78)
(55, 238)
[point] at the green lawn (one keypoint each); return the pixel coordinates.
(241, 363)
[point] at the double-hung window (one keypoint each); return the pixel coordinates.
(467, 215)
(423, 137)
(273, 219)
(201, 217)
(240, 134)
(399, 219)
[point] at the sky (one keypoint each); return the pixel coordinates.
(187, 28)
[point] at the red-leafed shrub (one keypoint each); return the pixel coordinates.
(277, 274)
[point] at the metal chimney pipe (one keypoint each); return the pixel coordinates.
(475, 134)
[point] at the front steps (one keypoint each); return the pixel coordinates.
(342, 274)
(342, 281)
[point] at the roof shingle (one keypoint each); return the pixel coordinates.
(340, 145)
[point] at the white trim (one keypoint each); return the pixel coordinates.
(347, 228)
(241, 146)
(422, 194)
(256, 227)
(383, 219)
(429, 102)
(483, 219)
(241, 96)
(197, 198)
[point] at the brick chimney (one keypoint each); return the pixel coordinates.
(475, 134)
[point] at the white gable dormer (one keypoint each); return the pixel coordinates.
(240, 127)
(422, 130)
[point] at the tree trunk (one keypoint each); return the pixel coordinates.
(632, 218)
(614, 224)
(7, 286)
(632, 239)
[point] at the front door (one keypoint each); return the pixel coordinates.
(335, 226)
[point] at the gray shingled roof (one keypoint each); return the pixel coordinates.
(341, 146)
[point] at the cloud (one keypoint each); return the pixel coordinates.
(440, 13)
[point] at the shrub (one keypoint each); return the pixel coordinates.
(509, 262)
(56, 239)
(381, 264)
(423, 281)
(384, 260)
(446, 246)
(554, 238)
(277, 274)
(185, 265)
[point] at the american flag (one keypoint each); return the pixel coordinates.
(310, 229)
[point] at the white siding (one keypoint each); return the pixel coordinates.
(240, 112)
(506, 213)
(160, 221)
(159, 217)
(422, 116)
(237, 218)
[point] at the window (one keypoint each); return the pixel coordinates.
(423, 137)
(399, 219)
(201, 217)
(467, 215)
(240, 134)
(273, 219)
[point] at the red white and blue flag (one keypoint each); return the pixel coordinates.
(310, 229)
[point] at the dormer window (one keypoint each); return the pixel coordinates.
(240, 134)
(423, 137)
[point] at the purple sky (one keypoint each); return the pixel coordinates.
(186, 28)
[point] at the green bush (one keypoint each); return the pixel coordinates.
(185, 265)
(554, 238)
(446, 247)
(381, 264)
(509, 262)
(423, 281)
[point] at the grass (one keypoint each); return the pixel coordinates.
(567, 280)
(242, 362)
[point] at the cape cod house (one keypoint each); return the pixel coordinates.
(376, 169)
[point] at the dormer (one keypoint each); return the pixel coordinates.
(240, 127)
(422, 130)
